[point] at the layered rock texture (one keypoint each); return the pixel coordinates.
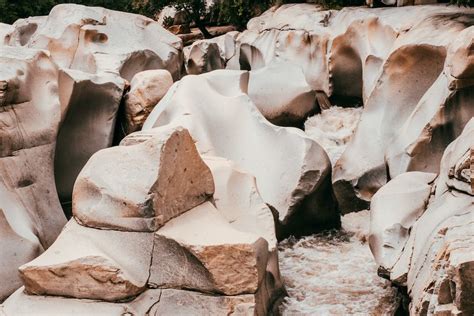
(422, 232)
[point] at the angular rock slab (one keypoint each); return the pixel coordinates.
(238, 200)
(214, 256)
(147, 88)
(22, 304)
(225, 123)
(90, 263)
(152, 302)
(30, 114)
(139, 186)
(92, 102)
(92, 39)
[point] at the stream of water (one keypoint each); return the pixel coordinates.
(333, 273)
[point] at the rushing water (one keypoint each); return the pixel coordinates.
(333, 273)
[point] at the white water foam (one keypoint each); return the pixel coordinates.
(333, 128)
(334, 273)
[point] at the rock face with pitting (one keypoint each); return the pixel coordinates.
(213, 107)
(87, 43)
(225, 257)
(147, 88)
(139, 186)
(92, 39)
(429, 249)
(30, 113)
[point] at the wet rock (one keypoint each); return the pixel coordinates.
(290, 180)
(141, 185)
(30, 113)
(147, 88)
(90, 263)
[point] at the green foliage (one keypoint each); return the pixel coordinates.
(239, 12)
(12, 10)
(465, 3)
(168, 21)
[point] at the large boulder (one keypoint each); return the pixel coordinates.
(141, 185)
(92, 102)
(30, 113)
(91, 264)
(281, 93)
(225, 122)
(430, 250)
(92, 39)
(147, 88)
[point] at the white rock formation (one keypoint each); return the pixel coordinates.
(92, 102)
(292, 171)
(142, 184)
(5, 30)
(30, 113)
(91, 264)
(88, 44)
(147, 88)
(92, 39)
(391, 60)
(433, 257)
(281, 93)
(202, 251)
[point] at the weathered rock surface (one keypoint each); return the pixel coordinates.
(147, 88)
(214, 106)
(218, 257)
(281, 93)
(92, 39)
(139, 186)
(30, 113)
(414, 83)
(92, 104)
(91, 264)
(238, 200)
(153, 302)
(434, 258)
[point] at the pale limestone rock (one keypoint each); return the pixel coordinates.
(91, 264)
(5, 30)
(139, 186)
(218, 257)
(96, 40)
(393, 211)
(30, 113)
(151, 302)
(176, 302)
(238, 200)
(92, 104)
(147, 88)
(436, 263)
(23, 29)
(213, 107)
(281, 93)
(22, 304)
(210, 54)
